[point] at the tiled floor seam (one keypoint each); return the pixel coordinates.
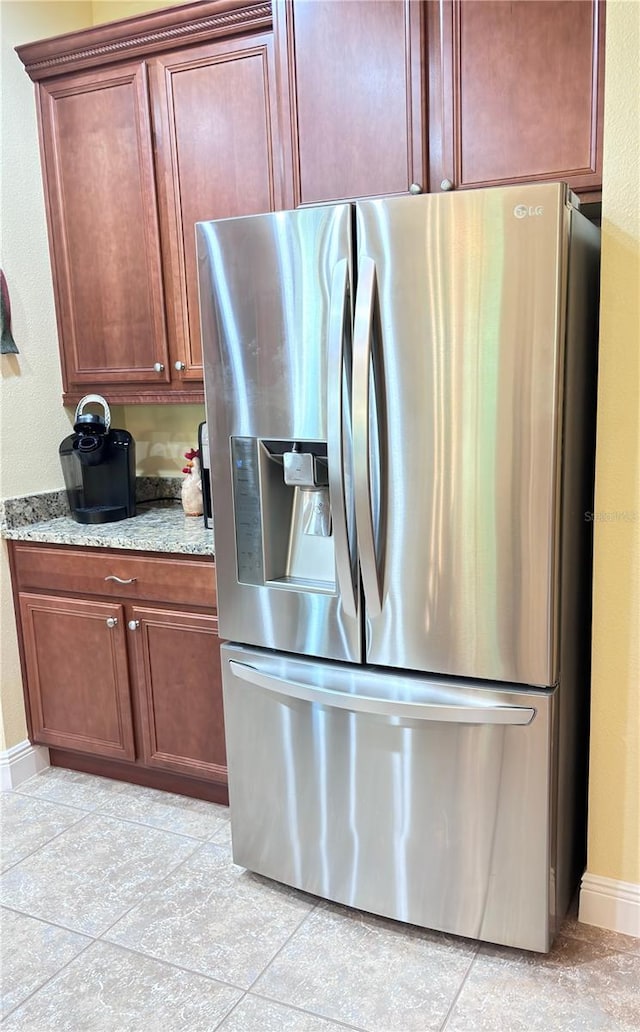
(150, 892)
(98, 811)
(176, 967)
(69, 928)
(302, 1010)
(280, 948)
(53, 977)
(605, 947)
(444, 1024)
(154, 827)
(231, 1010)
(54, 802)
(46, 921)
(85, 814)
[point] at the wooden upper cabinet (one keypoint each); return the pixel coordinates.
(216, 130)
(105, 247)
(516, 92)
(121, 206)
(355, 96)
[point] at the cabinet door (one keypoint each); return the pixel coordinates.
(217, 144)
(517, 91)
(177, 659)
(103, 229)
(77, 675)
(356, 96)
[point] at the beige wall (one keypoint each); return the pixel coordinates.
(614, 790)
(113, 10)
(31, 382)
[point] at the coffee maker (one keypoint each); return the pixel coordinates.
(99, 467)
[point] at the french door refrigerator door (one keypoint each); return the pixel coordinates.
(458, 361)
(421, 799)
(275, 300)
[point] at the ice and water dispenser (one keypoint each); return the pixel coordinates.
(283, 514)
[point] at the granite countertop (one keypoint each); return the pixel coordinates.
(160, 526)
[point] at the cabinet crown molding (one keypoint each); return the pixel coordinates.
(143, 35)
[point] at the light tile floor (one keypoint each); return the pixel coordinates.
(122, 911)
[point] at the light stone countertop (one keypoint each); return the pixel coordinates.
(158, 527)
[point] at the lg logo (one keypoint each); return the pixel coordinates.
(521, 211)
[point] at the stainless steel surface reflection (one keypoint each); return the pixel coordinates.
(422, 799)
(471, 357)
(427, 363)
(266, 305)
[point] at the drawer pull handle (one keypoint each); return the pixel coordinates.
(119, 580)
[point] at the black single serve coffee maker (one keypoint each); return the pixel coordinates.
(99, 467)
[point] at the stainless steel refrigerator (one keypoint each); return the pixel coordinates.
(400, 401)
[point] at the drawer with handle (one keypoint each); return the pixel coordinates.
(174, 578)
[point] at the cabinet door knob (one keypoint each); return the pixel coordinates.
(180, 367)
(415, 188)
(112, 621)
(159, 367)
(133, 625)
(446, 184)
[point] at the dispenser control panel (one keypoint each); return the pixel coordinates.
(248, 518)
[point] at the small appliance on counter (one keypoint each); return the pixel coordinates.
(99, 467)
(205, 468)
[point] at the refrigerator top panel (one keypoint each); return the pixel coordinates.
(275, 300)
(458, 368)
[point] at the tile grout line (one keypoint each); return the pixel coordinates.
(27, 856)
(300, 1010)
(314, 1014)
(285, 943)
(145, 894)
(148, 893)
(93, 941)
(152, 827)
(53, 977)
(474, 957)
(45, 799)
(245, 993)
(45, 920)
(97, 811)
(172, 965)
(600, 945)
(123, 820)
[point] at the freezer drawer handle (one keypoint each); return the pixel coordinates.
(434, 711)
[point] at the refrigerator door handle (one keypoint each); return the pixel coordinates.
(335, 436)
(362, 354)
(443, 712)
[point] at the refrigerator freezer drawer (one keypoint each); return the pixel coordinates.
(420, 799)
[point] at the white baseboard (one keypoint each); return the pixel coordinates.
(20, 763)
(608, 903)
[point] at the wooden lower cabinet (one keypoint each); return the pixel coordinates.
(181, 709)
(77, 676)
(120, 687)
